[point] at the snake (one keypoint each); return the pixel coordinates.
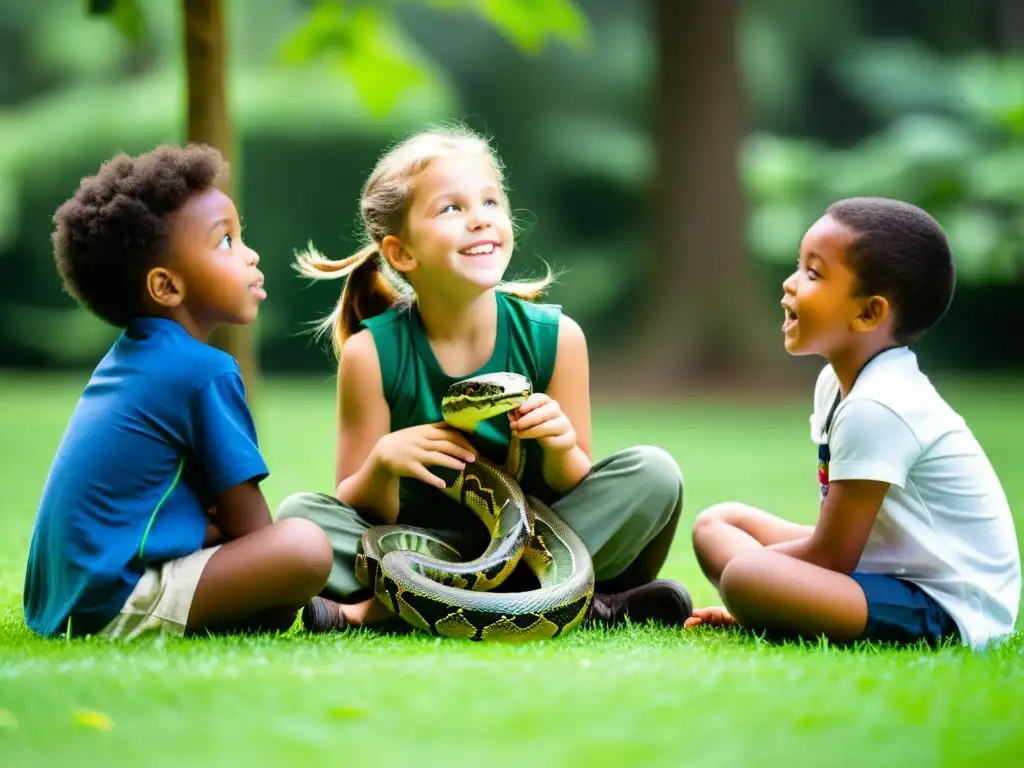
(419, 576)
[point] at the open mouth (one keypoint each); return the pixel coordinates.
(790, 319)
(258, 289)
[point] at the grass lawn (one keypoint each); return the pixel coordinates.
(635, 697)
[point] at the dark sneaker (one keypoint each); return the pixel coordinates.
(321, 615)
(663, 601)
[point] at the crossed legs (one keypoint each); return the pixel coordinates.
(765, 590)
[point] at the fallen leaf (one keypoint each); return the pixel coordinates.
(345, 713)
(90, 718)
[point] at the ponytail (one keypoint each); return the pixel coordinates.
(373, 286)
(367, 292)
(529, 290)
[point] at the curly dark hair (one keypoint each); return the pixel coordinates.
(900, 252)
(117, 226)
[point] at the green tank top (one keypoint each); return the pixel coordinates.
(414, 383)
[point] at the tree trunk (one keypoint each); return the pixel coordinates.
(208, 123)
(704, 321)
(1010, 25)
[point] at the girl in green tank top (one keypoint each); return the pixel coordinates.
(425, 304)
(414, 381)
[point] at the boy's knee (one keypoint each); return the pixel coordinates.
(725, 513)
(305, 548)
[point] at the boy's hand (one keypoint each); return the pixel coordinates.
(240, 511)
(540, 418)
(408, 452)
(213, 535)
(716, 616)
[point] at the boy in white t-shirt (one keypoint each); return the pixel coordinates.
(914, 539)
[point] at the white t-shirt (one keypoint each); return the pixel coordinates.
(945, 522)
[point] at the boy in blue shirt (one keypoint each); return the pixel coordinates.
(152, 518)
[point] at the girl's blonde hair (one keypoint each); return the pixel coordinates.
(373, 286)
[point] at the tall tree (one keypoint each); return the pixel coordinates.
(704, 321)
(1010, 25)
(208, 122)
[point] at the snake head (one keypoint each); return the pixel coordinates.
(479, 398)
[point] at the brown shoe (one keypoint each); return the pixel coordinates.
(663, 601)
(321, 615)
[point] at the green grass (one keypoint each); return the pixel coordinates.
(634, 697)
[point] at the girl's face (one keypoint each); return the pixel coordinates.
(458, 234)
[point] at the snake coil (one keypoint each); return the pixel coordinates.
(422, 578)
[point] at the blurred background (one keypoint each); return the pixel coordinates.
(667, 156)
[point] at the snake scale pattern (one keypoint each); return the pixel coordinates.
(424, 580)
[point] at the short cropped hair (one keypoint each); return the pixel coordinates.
(117, 226)
(901, 253)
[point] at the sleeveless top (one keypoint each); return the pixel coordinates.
(414, 383)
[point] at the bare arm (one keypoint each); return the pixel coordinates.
(844, 523)
(363, 418)
(868, 438)
(570, 387)
(239, 511)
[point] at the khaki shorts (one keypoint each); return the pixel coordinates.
(161, 601)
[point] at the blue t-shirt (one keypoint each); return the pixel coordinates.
(161, 429)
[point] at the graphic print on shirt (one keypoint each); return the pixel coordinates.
(823, 459)
(824, 455)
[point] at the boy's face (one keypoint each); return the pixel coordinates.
(821, 311)
(219, 281)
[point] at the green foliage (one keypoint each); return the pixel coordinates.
(126, 15)
(363, 43)
(366, 43)
(68, 127)
(529, 23)
(350, 71)
(843, 113)
(951, 142)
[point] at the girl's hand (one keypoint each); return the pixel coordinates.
(408, 452)
(540, 418)
(716, 616)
